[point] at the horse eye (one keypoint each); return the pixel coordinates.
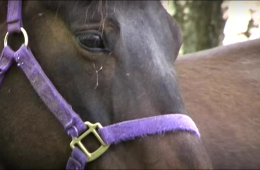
(91, 41)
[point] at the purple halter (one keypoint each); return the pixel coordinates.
(72, 123)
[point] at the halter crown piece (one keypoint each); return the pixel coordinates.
(72, 123)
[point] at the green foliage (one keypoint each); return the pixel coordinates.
(201, 23)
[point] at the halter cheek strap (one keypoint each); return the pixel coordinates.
(14, 16)
(72, 123)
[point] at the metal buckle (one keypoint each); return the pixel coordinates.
(25, 35)
(77, 141)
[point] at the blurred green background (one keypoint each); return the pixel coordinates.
(208, 24)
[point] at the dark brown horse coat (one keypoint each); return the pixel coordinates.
(221, 91)
(136, 43)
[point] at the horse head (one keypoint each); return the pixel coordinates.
(112, 61)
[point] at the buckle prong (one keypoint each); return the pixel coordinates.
(91, 129)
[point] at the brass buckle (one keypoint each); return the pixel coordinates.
(91, 129)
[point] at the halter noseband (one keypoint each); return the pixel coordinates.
(71, 122)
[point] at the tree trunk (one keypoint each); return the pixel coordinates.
(201, 24)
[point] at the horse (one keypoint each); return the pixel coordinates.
(112, 62)
(220, 89)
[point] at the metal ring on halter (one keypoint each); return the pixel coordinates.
(25, 36)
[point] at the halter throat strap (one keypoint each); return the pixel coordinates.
(72, 123)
